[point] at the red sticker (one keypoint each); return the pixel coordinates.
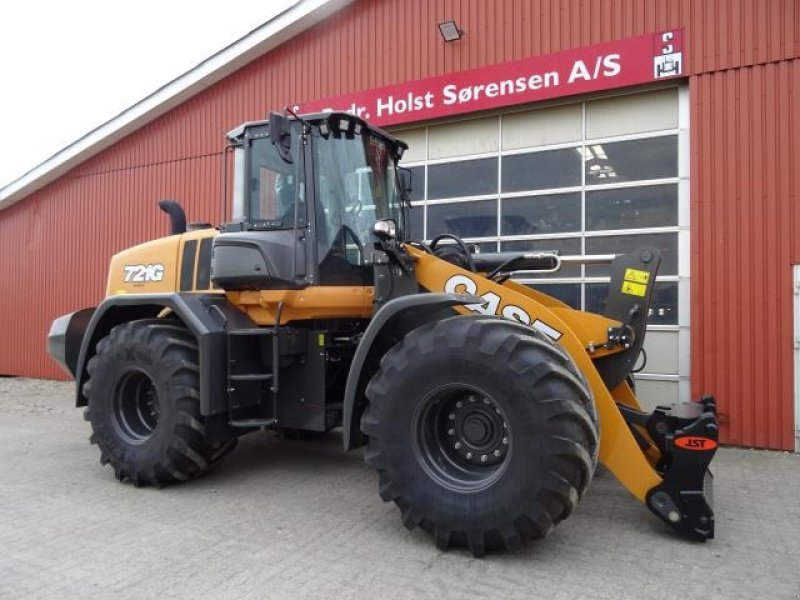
(695, 442)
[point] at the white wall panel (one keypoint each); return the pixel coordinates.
(463, 138)
(635, 113)
(543, 127)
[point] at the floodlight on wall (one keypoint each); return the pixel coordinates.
(450, 31)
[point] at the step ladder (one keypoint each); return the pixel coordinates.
(253, 381)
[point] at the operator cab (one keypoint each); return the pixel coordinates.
(308, 192)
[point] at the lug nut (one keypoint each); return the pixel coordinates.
(673, 516)
(483, 458)
(486, 401)
(451, 431)
(505, 441)
(497, 452)
(459, 404)
(469, 454)
(457, 445)
(451, 416)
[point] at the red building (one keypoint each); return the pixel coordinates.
(679, 127)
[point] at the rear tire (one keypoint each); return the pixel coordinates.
(483, 432)
(144, 404)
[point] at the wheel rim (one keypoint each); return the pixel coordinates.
(462, 438)
(136, 412)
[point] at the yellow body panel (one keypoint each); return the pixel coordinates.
(319, 302)
(128, 272)
(153, 267)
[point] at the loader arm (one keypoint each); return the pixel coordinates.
(626, 448)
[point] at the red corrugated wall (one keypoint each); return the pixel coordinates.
(745, 220)
(54, 245)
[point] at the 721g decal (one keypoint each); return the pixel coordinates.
(143, 273)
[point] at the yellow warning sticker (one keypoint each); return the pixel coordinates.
(321, 340)
(637, 276)
(633, 289)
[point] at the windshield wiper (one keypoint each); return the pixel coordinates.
(266, 224)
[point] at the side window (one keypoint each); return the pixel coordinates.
(276, 191)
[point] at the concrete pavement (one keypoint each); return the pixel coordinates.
(303, 519)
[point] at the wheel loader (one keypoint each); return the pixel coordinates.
(484, 405)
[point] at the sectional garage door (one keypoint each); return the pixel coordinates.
(600, 176)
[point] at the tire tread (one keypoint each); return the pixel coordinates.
(553, 380)
(190, 453)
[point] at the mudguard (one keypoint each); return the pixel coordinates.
(207, 316)
(65, 337)
(389, 325)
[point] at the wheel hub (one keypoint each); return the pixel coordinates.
(479, 434)
(462, 437)
(135, 407)
(477, 429)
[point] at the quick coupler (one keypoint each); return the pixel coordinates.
(687, 435)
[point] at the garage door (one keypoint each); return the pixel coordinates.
(594, 177)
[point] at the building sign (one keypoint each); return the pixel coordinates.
(605, 66)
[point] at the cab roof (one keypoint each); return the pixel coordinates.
(238, 132)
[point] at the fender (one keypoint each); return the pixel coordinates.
(207, 316)
(65, 336)
(389, 325)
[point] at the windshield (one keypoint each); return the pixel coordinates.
(276, 188)
(356, 185)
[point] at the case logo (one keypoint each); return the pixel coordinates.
(143, 273)
(461, 284)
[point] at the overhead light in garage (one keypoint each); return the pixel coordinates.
(450, 31)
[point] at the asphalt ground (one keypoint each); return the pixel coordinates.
(302, 519)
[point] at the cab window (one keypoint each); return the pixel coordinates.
(276, 188)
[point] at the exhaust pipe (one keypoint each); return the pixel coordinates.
(177, 216)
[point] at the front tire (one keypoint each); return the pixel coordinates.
(483, 432)
(144, 404)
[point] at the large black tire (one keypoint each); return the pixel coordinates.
(144, 404)
(483, 432)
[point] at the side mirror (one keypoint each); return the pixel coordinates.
(280, 134)
(404, 178)
(385, 229)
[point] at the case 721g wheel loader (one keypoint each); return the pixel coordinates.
(484, 404)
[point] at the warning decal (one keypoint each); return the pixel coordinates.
(637, 276)
(635, 283)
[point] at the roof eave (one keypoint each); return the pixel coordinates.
(301, 16)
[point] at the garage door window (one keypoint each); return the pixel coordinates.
(596, 177)
(602, 179)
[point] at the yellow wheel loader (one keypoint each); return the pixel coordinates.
(484, 405)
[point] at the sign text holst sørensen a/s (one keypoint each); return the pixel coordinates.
(604, 66)
(451, 94)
